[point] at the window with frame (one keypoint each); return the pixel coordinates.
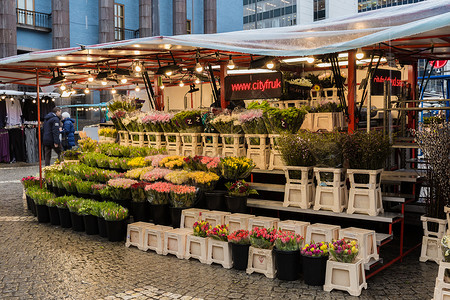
(319, 10)
(25, 12)
(188, 26)
(119, 21)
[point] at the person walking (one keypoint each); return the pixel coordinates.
(68, 132)
(52, 129)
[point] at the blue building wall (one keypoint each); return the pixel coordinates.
(230, 15)
(131, 13)
(32, 39)
(165, 17)
(83, 22)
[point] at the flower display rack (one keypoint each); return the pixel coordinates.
(136, 234)
(297, 227)
(211, 144)
(156, 139)
(173, 143)
(348, 277)
(447, 213)
(263, 222)
(319, 232)
(237, 221)
(331, 193)
(191, 144)
(442, 287)
(431, 240)
(233, 145)
(331, 95)
(328, 121)
(299, 190)
(175, 242)
(442, 226)
(366, 240)
(154, 238)
(138, 139)
(315, 95)
(275, 160)
(214, 217)
(196, 247)
(365, 198)
(258, 149)
(190, 216)
(219, 252)
(261, 261)
(124, 138)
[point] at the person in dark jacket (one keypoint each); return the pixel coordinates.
(68, 131)
(52, 130)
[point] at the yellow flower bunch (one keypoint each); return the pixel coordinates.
(177, 177)
(203, 177)
(172, 162)
(137, 162)
(137, 173)
(108, 132)
(237, 167)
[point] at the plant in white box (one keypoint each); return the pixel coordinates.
(344, 251)
(219, 251)
(260, 257)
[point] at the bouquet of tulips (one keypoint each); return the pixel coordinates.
(220, 233)
(204, 180)
(172, 162)
(182, 195)
(343, 251)
(252, 122)
(226, 124)
(288, 241)
(315, 249)
(155, 174)
(159, 192)
(240, 236)
(121, 188)
(30, 181)
(138, 192)
(234, 168)
(262, 237)
(154, 160)
(201, 228)
(152, 121)
(177, 177)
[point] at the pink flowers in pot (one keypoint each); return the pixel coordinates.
(155, 174)
(288, 241)
(123, 183)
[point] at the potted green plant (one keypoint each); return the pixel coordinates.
(219, 251)
(314, 260)
(115, 216)
(53, 211)
(238, 192)
(28, 182)
(287, 255)
(41, 197)
(84, 189)
(181, 197)
(158, 195)
(63, 211)
(105, 193)
(69, 183)
(139, 203)
(240, 244)
(74, 205)
(86, 210)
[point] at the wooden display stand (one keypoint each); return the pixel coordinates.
(191, 144)
(348, 277)
(211, 144)
(190, 216)
(233, 145)
(261, 261)
(331, 195)
(154, 238)
(138, 139)
(258, 149)
(321, 233)
(297, 227)
(156, 139)
(442, 287)
(366, 240)
(331, 95)
(173, 143)
(124, 138)
(431, 240)
(214, 217)
(135, 234)
(237, 221)
(175, 242)
(365, 198)
(275, 160)
(219, 252)
(299, 190)
(315, 95)
(196, 247)
(263, 222)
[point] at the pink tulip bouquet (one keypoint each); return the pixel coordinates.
(159, 192)
(288, 241)
(121, 188)
(182, 195)
(156, 174)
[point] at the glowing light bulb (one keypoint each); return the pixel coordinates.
(310, 60)
(113, 91)
(168, 73)
(137, 88)
(181, 84)
(137, 67)
(270, 65)
(197, 81)
(360, 55)
(34, 100)
(90, 78)
(231, 64)
(104, 82)
(86, 90)
(62, 87)
(198, 67)
(162, 87)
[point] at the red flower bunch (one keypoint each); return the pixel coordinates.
(30, 181)
(139, 185)
(262, 237)
(240, 188)
(240, 236)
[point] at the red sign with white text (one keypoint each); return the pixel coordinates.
(382, 75)
(438, 63)
(253, 86)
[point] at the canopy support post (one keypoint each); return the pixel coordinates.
(223, 73)
(39, 127)
(351, 90)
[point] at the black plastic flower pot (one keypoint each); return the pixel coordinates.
(29, 204)
(55, 190)
(287, 264)
(33, 207)
(54, 215)
(236, 204)
(42, 213)
(160, 214)
(97, 197)
(124, 203)
(175, 216)
(239, 253)
(215, 200)
(139, 210)
(115, 230)
(90, 224)
(102, 227)
(60, 192)
(85, 196)
(64, 217)
(77, 222)
(314, 269)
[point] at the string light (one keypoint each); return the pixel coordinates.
(231, 64)
(123, 80)
(137, 88)
(62, 87)
(90, 78)
(113, 91)
(86, 90)
(181, 84)
(104, 82)
(270, 65)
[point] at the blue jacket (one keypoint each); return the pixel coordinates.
(69, 130)
(51, 129)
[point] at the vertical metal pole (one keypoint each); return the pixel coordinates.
(76, 114)
(223, 73)
(447, 113)
(369, 103)
(39, 127)
(351, 90)
(385, 106)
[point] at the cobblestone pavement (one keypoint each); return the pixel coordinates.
(39, 261)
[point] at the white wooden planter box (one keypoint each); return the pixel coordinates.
(331, 195)
(442, 226)
(262, 222)
(431, 249)
(109, 139)
(174, 147)
(190, 216)
(191, 144)
(154, 238)
(219, 252)
(365, 198)
(156, 139)
(233, 145)
(135, 234)
(215, 217)
(331, 95)
(211, 144)
(366, 240)
(138, 139)
(345, 277)
(261, 261)
(297, 227)
(308, 122)
(328, 121)
(258, 151)
(196, 247)
(175, 242)
(316, 95)
(275, 160)
(442, 287)
(124, 138)
(321, 233)
(299, 192)
(237, 221)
